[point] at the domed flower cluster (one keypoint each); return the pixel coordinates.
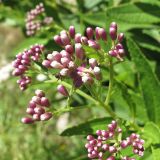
(23, 62)
(33, 19)
(106, 142)
(37, 108)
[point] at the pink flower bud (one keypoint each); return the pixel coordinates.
(44, 102)
(114, 25)
(89, 32)
(93, 44)
(36, 99)
(56, 65)
(56, 56)
(124, 144)
(120, 37)
(32, 104)
(111, 158)
(113, 33)
(36, 117)
(46, 63)
(57, 39)
(93, 62)
(65, 39)
(79, 51)
(39, 93)
(84, 40)
(64, 72)
(46, 116)
(112, 149)
(78, 38)
(39, 110)
(69, 49)
(72, 31)
(27, 120)
(97, 73)
(61, 89)
(113, 53)
(30, 111)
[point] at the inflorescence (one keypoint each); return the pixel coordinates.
(37, 108)
(72, 61)
(107, 145)
(23, 62)
(35, 19)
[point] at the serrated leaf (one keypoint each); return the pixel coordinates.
(130, 16)
(97, 19)
(152, 133)
(88, 127)
(149, 84)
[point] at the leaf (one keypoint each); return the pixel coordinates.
(155, 153)
(149, 84)
(88, 127)
(151, 133)
(97, 19)
(130, 16)
(27, 43)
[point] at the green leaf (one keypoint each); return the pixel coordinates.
(130, 16)
(155, 153)
(97, 19)
(27, 43)
(151, 133)
(88, 127)
(149, 84)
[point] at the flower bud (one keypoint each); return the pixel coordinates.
(120, 37)
(36, 117)
(44, 102)
(69, 49)
(65, 39)
(39, 110)
(61, 89)
(72, 31)
(113, 33)
(84, 40)
(79, 51)
(46, 116)
(89, 33)
(93, 44)
(39, 93)
(56, 65)
(64, 72)
(57, 39)
(111, 158)
(46, 63)
(93, 62)
(27, 120)
(30, 111)
(78, 38)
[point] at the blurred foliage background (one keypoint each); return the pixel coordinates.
(138, 19)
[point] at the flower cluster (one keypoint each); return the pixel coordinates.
(106, 141)
(118, 50)
(23, 62)
(71, 61)
(33, 24)
(37, 108)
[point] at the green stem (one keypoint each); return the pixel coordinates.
(108, 97)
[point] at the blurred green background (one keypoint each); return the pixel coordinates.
(138, 19)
